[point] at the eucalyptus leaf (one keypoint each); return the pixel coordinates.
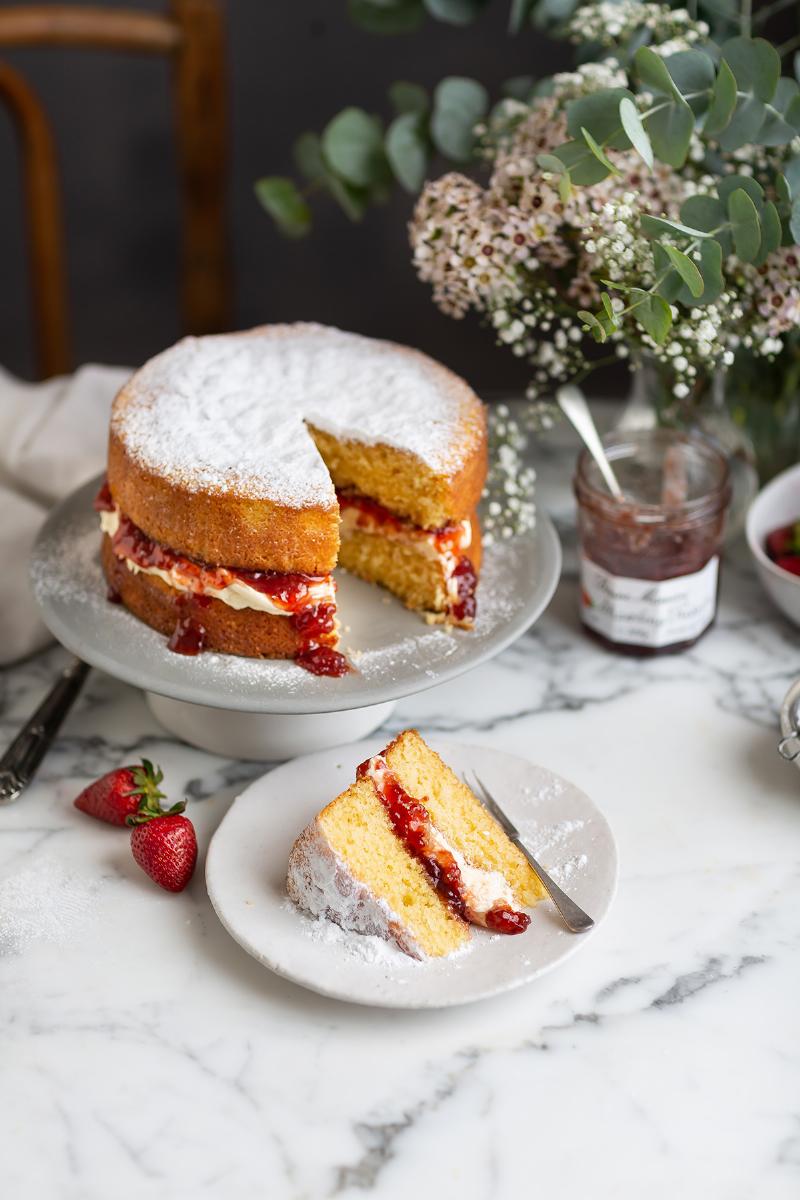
(686, 269)
(284, 203)
(408, 97)
(656, 226)
(595, 327)
(694, 74)
(756, 65)
(782, 112)
(599, 113)
(791, 173)
(730, 183)
(565, 187)
(653, 314)
(455, 12)
(352, 144)
(458, 105)
(353, 201)
(520, 14)
(746, 229)
(710, 215)
(307, 154)
(652, 70)
(794, 220)
(402, 16)
(723, 102)
(549, 162)
(407, 151)
(670, 284)
(743, 127)
(598, 151)
(632, 124)
(770, 232)
(711, 270)
(669, 128)
(582, 165)
(703, 214)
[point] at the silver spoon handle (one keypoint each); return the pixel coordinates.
(575, 919)
(572, 403)
(21, 760)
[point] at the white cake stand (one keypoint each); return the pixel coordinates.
(271, 710)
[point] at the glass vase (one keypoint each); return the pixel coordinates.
(707, 410)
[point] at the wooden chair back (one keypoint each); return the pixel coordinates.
(190, 34)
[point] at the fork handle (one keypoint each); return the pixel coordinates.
(21, 760)
(575, 919)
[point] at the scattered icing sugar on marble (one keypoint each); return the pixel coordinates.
(228, 410)
(43, 900)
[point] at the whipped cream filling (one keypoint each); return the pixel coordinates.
(237, 594)
(482, 890)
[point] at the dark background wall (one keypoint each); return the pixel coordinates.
(292, 65)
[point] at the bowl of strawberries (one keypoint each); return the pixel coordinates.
(773, 535)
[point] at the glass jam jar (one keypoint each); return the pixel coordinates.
(649, 564)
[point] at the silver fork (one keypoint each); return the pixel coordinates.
(575, 919)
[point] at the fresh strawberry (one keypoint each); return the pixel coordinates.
(789, 562)
(164, 844)
(118, 795)
(784, 541)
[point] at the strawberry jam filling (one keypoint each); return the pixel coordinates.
(292, 593)
(448, 543)
(412, 824)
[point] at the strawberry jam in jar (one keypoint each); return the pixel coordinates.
(649, 563)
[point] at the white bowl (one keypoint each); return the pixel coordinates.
(775, 505)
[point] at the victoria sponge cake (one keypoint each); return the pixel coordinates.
(243, 467)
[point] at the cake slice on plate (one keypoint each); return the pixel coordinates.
(408, 853)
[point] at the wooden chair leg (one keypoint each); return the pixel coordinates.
(202, 139)
(45, 232)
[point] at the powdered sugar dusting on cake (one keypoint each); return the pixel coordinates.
(228, 411)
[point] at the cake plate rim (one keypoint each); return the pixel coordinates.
(102, 636)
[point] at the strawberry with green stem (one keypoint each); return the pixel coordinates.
(118, 794)
(164, 844)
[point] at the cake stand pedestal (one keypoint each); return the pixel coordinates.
(263, 737)
(271, 710)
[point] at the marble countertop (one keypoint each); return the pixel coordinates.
(144, 1054)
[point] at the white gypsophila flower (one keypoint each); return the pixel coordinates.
(613, 23)
(509, 507)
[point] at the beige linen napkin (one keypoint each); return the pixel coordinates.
(52, 439)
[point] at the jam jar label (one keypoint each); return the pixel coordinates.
(648, 612)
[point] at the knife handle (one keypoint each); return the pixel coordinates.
(21, 760)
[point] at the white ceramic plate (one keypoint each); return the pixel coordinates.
(395, 652)
(246, 872)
